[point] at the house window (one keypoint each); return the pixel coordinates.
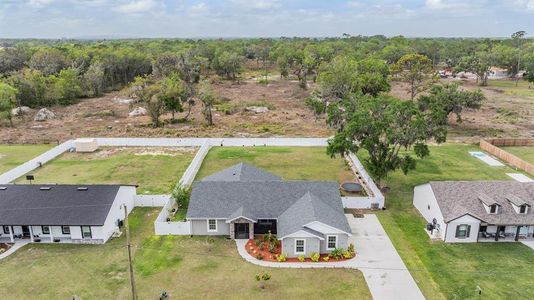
(462, 231)
(523, 209)
(494, 208)
(86, 232)
(300, 246)
(45, 229)
(331, 242)
(65, 229)
(6, 229)
(212, 225)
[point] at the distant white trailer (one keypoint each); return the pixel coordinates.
(86, 145)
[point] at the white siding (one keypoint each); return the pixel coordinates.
(200, 227)
(76, 232)
(125, 196)
(467, 220)
(426, 203)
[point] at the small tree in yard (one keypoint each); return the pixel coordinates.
(8, 98)
(181, 194)
(207, 96)
(261, 279)
(416, 70)
(150, 94)
(383, 126)
(173, 94)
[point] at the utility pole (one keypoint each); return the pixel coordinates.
(127, 229)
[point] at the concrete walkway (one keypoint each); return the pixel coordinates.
(383, 269)
(529, 244)
(15, 247)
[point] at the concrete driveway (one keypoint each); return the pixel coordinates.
(381, 265)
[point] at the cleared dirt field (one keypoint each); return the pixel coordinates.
(508, 112)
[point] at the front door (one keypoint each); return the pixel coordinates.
(25, 231)
(241, 230)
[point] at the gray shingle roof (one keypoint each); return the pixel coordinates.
(457, 198)
(61, 205)
(308, 209)
(267, 199)
(242, 172)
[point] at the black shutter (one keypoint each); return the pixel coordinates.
(468, 230)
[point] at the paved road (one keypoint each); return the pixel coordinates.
(384, 270)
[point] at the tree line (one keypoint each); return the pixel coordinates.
(40, 73)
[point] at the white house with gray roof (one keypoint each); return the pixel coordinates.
(241, 201)
(63, 213)
(477, 211)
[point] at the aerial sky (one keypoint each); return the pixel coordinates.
(263, 18)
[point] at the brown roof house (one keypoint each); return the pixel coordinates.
(477, 211)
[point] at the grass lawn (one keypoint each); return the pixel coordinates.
(14, 155)
(187, 268)
(522, 89)
(291, 163)
(525, 153)
(453, 271)
(155, 171)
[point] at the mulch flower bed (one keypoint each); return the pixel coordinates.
(5, 246)
(253, 248)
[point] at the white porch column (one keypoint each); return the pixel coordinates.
(51, 235)
(31, 233)
(11, 234)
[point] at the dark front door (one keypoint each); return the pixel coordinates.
(241, 230)
(26, 231)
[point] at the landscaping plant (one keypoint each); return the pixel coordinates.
(337, 253)
(181, 194)
(281, 257)
(315, 256)
(301, 258)
(262, 279)
(326, 258)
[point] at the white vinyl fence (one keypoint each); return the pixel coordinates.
(151, 200)
(35, 163)
(375, 197)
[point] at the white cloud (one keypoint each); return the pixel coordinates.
(139, 6)
(40, 2)
(355, 4)
(523, 5)
(256, 4)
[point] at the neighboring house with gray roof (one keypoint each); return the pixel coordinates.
(476, 211)
(242, 200)
(63, 213)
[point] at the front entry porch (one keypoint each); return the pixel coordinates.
(241, 228)
(505, 233)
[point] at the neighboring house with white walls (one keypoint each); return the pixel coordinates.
(477, 211)
(63, 213)
(242, 201)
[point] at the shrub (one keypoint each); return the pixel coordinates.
(337, 253)
(273, 247)
(347, 254)
(326, 258)
(301, 258)
(181, 194)
(259, 256)
(315, 256)
(351, 248)
(257, 242)
(281, 257)
(262, 246)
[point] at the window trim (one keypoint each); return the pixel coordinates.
(467, 231)
(303, 246)
(328, 242)
(8, 229)
(524, 206)
(208, 225)
(90, 232)
(496, 209)
(63, 229)
(43, 231)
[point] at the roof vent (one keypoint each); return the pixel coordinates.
(45, 188)
(82, 188)
(3, 188)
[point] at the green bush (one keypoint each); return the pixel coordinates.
(347, 254)
(259, 256)
(273, 247)
(351, 248)
(315, 256)
(181, 194)
(301, 258)
(337, 253)
(281, 257)
(257, 242)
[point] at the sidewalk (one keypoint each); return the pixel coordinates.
(15, 247)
